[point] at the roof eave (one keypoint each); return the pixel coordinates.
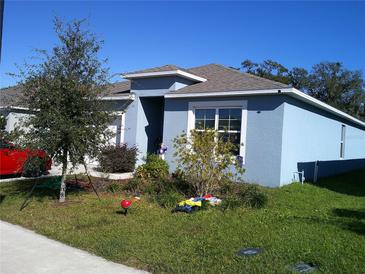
(178, 72)
(321, 105)
(289, 91)
(14, 107)
(120, 97)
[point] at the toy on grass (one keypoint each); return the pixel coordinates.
(126, 204)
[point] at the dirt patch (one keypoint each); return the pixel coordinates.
(100, 184)
(65, 203)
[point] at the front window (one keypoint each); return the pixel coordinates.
(204, 119)
(227, 121)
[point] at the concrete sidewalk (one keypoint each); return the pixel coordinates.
(24, 252)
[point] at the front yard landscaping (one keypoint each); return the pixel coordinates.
(322, 224)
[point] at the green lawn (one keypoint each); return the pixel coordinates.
(323, 224)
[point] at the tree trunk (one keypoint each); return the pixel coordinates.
(64, 172)
(88, 176)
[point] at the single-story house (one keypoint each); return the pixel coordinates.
(281, 130)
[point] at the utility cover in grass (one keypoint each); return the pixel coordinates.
(304, 268)
(249, 251)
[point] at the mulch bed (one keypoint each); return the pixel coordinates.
(100, 184)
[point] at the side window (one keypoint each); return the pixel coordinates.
(342, 142)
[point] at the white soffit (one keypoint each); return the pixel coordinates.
(289, 91)
(178, 72)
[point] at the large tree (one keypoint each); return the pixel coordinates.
(329, 82)
(63, 92)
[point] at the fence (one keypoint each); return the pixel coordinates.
(319, 169)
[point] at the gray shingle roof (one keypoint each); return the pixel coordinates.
(119, 88)
(220, 79)
(10, 96)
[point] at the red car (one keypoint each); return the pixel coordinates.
(26, 161)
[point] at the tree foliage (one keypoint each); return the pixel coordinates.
(68, 121)
(206, 160)
(329, 82)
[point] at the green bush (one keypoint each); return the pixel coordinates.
(34, 167)
(181, 184)
(136, 186)
(118, 159)
(169, 199)
(251, 196)
(231, 202)
(242, 195)
(162, 191)
(153, 168)
(113, 188)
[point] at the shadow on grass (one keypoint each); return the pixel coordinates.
(349, 213)
(350, 219)
(10, 176)
(2, 198)
(121, 212)
(357, 224)
(39, 188)
(351, 183)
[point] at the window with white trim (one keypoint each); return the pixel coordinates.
(342, 142)
(228, 117)
(226, 120)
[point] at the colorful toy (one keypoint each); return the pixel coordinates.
(196, 203)
(126, 204)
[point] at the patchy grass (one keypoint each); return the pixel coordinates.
(321, 223)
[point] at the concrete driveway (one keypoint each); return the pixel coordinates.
(24, 252)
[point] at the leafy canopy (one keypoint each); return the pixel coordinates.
(63, 93)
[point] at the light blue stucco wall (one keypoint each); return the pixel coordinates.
(138, 118)
(310, 134)
(157, 86)
(263, 141)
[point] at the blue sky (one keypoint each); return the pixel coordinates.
(145, 34)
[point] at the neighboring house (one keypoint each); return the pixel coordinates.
(282, 130)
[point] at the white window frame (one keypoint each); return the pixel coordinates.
(342, 141)
(120, 114)
(242, 104)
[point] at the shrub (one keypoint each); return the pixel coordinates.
(231, 202)
(205, 160)
(154, 168)
(247, 195)
(169, 198)
(181, 183)
(136, 186)
(148, 176)
(117, 159)
(252, 196)
(34, 167)
(113, 188)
